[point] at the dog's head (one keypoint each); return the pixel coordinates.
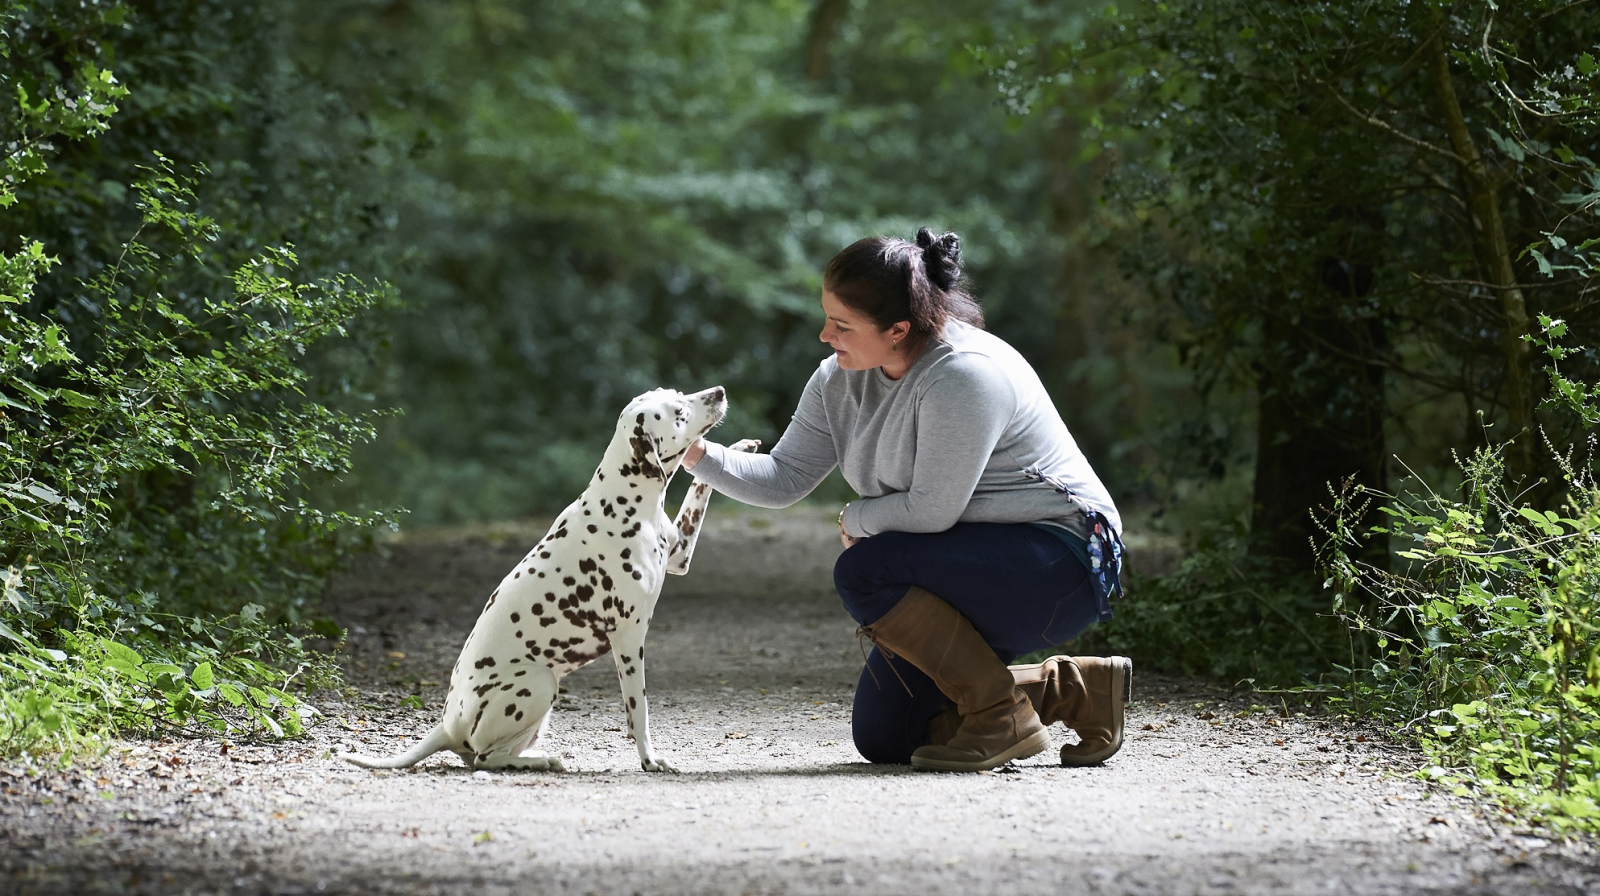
(661, 424)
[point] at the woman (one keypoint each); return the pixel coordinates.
(981, 532)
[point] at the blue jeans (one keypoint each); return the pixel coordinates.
(1022, 588)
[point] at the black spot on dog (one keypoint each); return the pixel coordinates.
(569, 581)
(538, 609)
(633, 702)
(587, 565)
(517, 635)
(511, 709)
(593, 528)
(516, 617)
(584, 592)
(486, 661)
(524, 693)
(547, 621)
(518, 718)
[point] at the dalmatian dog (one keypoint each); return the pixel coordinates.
(588, 587)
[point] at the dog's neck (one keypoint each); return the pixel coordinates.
(632, 456)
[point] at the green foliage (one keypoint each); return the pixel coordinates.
(603, 198)
(1226, 614)
(231, 676)
(1487, 639)
(125, 610)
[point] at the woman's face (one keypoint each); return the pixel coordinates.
(857, 342)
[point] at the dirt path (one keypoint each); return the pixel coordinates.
(752, 665)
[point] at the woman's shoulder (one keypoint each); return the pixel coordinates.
(966, 352)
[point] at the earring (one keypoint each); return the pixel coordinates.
(894, 345)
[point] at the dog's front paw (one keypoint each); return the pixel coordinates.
(750, 445)
(657, 764)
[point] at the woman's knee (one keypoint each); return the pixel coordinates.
(868, 577)
(882, 743)
(893, 702)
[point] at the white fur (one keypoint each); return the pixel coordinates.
(587, 588)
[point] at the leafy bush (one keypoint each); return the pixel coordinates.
(1227, 614)
(1486, 642)
(127, 612)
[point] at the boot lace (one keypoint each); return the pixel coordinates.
(863, 635)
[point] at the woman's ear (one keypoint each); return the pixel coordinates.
(900, 330)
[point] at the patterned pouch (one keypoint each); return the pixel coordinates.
(1105, 546)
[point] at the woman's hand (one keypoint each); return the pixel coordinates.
(844, 537)
(693, 455)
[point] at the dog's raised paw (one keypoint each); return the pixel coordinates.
(750, 445)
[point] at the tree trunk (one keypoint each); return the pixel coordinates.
(1077, 331)
(824, 22)
(1320, 421)
(1494, 251)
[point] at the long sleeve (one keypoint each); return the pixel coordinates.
(803, 457)
(960, 419)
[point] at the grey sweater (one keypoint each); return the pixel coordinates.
(951, 441)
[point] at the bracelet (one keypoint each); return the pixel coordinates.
(841, 513)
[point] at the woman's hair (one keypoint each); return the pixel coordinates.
(891, 280)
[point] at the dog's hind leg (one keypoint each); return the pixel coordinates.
(692, 516)
(505, 740)
(627, 646)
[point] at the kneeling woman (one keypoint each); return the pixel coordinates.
(981, 533)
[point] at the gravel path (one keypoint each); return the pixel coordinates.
(751, 665)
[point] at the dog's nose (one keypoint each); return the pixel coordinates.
(716, 395)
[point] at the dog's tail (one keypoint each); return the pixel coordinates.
(432, 742)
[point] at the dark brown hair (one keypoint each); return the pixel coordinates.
(891, 280)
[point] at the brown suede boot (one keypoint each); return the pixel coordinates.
(997, 722)
(1087, 694)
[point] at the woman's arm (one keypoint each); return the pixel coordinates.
(803, 457)
(960, 419)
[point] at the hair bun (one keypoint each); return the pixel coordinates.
(941, 256)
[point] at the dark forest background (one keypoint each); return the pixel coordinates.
(277, 275)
